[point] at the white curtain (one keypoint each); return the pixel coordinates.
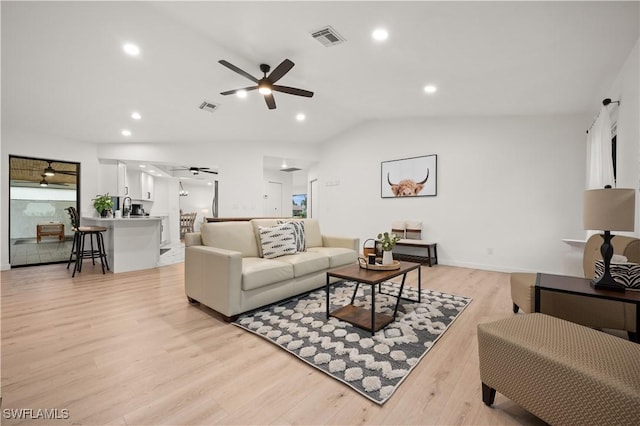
(599, 161)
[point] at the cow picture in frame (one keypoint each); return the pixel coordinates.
(409, 177)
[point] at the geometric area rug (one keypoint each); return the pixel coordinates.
(373, 366)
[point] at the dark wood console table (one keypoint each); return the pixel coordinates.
(582, 287)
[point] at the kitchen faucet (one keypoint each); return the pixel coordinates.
(126, 210)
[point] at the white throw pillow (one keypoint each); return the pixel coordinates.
(298, 234)
(277, 240)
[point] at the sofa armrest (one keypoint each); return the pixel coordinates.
(192, 239)
(345, 242)
(212, 276)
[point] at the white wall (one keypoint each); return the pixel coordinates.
(199, 200)
(626, 89)
(240, 166)
(509, 186)
(51, 148)
(166, 204)
(284, 178)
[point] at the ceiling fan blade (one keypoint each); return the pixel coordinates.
(292, 91)
(209, 171)
(238, 70)
(279, 72)
(246, 89)
(271, 103)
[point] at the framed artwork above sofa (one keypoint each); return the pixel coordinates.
(409, 177)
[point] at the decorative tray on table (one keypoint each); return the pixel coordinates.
(378, 266)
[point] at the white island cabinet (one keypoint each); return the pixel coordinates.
(131, 243)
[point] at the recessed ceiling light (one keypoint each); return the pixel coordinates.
(301, 117)
(380, 34)
(143, 166)
(241, 93)
(210, 183)
(131, 49)
(126, 132)
(136, 115)
(430, 89)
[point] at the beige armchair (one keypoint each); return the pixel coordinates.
(597, 313)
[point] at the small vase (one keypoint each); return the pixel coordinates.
(104, 213)
(387, 257)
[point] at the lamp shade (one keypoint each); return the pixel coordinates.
(609, 209)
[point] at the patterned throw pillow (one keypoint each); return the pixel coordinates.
(627, 274)
(298, 234)
(277, 240)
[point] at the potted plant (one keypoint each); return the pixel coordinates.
(387, 242)
(103, 204)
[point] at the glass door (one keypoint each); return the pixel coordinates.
(39, 227)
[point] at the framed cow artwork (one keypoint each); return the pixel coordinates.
(409, 177)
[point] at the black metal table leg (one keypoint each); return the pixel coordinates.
(327, 288)
(373, 309)
(395, 311)
(355, 292)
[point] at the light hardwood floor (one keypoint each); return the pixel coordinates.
(128, 349)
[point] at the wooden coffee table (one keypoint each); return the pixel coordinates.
(369, 319)
(582, 287)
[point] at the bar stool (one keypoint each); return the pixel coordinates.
(78, 246)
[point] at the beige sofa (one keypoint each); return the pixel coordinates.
(226, 271)
(591, 312)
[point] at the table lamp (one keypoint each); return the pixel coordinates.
(609, 209)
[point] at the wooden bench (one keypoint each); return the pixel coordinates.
(51, 229)
(562, 372)
(411, 246)
(419, 251)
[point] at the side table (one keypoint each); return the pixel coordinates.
(582, 287)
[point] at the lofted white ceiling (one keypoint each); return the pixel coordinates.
(64, 72)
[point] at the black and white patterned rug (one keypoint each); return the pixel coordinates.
(372, 365)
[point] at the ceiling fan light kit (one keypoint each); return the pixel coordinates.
(266, 85)
(196, 170)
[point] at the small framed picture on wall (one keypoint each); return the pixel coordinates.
(409, 177)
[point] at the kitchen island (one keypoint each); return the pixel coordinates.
(131, 243)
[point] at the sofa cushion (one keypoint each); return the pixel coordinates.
(337, 256)
(306, 263)
(235, 236)
(298, 234)
(312, 233)
(277, 240)
(259, 272)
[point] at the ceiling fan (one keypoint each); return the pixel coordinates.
(196, 170)
(266, 85)
(50, 171)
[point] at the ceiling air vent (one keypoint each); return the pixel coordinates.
(209, 106)
(327, 36)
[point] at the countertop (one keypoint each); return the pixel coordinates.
(122, 219)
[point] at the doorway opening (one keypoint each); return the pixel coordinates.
(40, 230)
